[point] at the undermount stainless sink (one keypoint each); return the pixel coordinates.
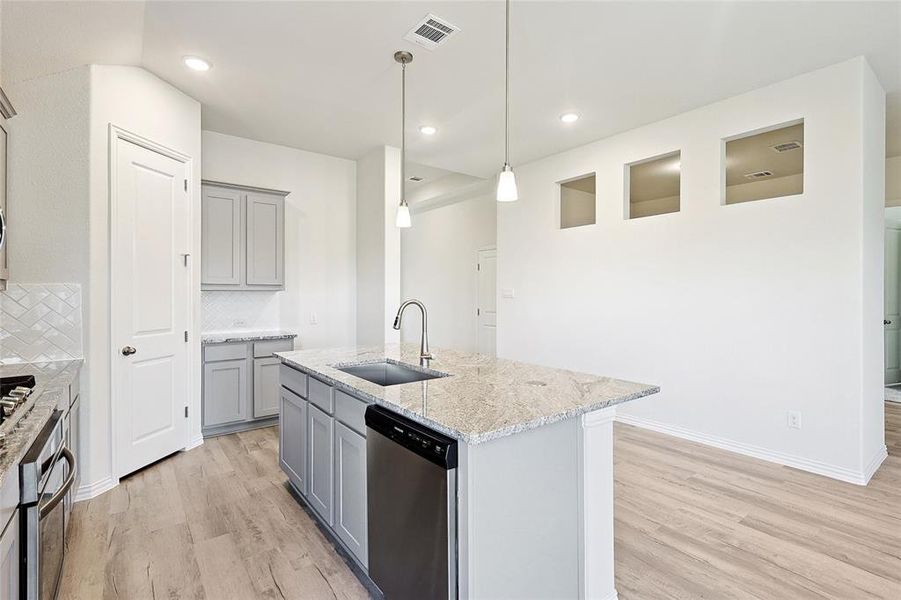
(385, 373)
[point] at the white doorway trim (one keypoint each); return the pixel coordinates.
(117, 134)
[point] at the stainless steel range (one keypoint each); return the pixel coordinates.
(46, 474)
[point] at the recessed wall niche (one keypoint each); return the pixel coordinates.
(764, 164)
(578, 202)
(653, 186)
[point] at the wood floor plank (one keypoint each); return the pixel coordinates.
(692, 522)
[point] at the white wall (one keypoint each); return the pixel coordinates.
(740, 313)
(378, 245)
(60, 190)
(438, 266)
(893, 181)
(320, 245)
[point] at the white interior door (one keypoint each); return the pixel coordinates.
(487, 309)
(892, 320)
(149, 305)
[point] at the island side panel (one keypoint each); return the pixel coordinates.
(519, 525)
(596, 579)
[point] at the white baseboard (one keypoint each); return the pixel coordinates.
(86, 491)
(874, 464)
(804, 464)
(197, 441)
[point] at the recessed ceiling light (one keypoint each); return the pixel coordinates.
(427, 130)
(569, 117)
(195, 63)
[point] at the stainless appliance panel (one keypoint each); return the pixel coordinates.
(412, 505)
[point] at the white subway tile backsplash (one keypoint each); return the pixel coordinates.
(230, 311)
(40, 322)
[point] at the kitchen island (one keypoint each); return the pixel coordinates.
(534, 482)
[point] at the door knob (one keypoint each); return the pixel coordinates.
(128, 350)
(886, 322)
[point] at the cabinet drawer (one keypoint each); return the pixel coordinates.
(350, 411)
(321, 395)
(293, 379)
(224, 352)
(266, 348)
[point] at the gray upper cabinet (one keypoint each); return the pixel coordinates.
(243, 238)
(265, 239)
(221, 235)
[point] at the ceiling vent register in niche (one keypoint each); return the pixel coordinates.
(759, 174)
(786, 146)
(431, 32)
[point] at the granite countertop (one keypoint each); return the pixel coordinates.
(484, 398)
(221, 337)
(51, 388)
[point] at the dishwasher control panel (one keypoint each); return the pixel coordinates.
(427, 443)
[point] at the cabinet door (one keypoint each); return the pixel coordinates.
(224, 392)
(320, 428)
(292, 438)
(265, 386)
(350, 491)
(222, 226)
(265, 239)
(9, 560)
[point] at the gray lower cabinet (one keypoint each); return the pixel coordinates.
(325, 457)
(265, 386)
(224, 392)
(242, 238)
(321, 429)
(241, 385)
(350, 491)
(292, 438)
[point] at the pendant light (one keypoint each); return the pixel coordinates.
(506, 181)
(403, 219)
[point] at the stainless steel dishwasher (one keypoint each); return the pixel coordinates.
(411, 475)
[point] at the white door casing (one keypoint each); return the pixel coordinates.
(487, 302)
(892, 321)
(150, 301)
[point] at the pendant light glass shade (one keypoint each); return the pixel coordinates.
(506, 186)
(403, 219)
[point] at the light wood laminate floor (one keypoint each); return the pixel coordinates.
(692, 522)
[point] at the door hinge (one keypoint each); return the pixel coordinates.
(186, 335)
(478, 312)
(478, 266)
(186, 412)
(186, 185)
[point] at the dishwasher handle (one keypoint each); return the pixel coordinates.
(435, 447)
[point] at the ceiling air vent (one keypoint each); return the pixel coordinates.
(786, 146)
(759, 174)
(416, 178)
(431, 32)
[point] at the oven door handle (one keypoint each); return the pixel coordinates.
(61, 493)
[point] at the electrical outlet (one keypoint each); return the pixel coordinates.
(314, 319)
(508, 293)
(239, 323)
(794, 419)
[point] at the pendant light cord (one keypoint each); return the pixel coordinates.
(403, 131)
(507, 88)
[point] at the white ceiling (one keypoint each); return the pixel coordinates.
(320, 75)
